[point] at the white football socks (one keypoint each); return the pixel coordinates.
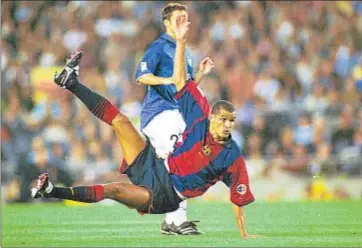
(179, 216)
(49, 188)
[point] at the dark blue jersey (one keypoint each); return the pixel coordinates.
(159, 60)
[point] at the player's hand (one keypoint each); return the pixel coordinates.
(181, 27)
(206, 65)
(252, 236)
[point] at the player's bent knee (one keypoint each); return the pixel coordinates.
(120, 121)
(120, 189)
(112, 190)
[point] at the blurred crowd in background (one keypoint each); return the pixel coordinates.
(292, 69)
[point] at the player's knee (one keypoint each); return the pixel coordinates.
(113, 190)
(120, 120)
(120, 189)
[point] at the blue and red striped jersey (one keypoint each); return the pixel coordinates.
(199, 162)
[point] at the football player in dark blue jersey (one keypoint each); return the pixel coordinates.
(161, 120)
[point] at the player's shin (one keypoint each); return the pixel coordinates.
(88, 194)
(96, 103)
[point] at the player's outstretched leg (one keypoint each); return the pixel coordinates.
(97, 104)
(131, 141)
(128, 194)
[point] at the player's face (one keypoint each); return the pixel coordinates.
(173, 18)
(221, 124)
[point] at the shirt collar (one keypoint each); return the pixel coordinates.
(165, 36)
(228, 143)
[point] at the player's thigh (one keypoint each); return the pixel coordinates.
(131, 141)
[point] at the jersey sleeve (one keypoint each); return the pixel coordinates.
(237, 179)
(149, 61)
(193, 104)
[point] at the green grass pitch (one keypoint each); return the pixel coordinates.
(309, 224)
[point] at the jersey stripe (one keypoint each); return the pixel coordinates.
(191, 137)
(208, 174)
(193, 160)
(193, 104)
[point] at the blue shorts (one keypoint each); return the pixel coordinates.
(150, 172)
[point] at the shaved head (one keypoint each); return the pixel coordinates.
(222, 104)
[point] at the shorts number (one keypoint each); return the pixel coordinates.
(174, 138)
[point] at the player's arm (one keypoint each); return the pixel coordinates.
(193, 104)
(199, 76)
(240, 220)
(147, 67)
(179, 72)
(151, 79)
(179, 68)
(236, 178)
(205, 67)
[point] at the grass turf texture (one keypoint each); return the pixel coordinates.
(309, 224)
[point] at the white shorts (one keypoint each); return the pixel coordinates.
(164, 130)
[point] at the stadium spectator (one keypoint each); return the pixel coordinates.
(298, 164)
(343, 136)
(303, 133)
(287, 141)
(255, 162)
(39, 160)
(323, 163)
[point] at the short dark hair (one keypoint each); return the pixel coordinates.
(166, 12)
(222, 104)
